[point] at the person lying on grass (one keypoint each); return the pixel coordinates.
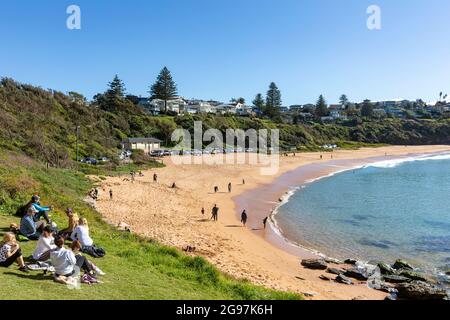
(10, 252)
(66, 263)
(81, 233)
(29, 227)
(93, 269)
(73, 223)
(45, 244)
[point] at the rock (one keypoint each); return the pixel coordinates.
(333, 260)
(335, 271)
(350, 261)
(385, 269)
(412, 275)
(343, 279)
(401, 264)
(315, 264)
(324, 278)
(356, 274)
(395, 279)
(419, 290)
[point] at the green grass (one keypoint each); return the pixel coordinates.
(136, 268)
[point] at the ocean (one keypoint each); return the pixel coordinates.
(380, 212)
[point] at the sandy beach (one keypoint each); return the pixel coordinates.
(173, 215)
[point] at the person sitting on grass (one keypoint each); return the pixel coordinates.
(45, 245)
(10, 252)
(29, 227)
(81, 233)
(73, 223)
(65, 262)
(41, 210)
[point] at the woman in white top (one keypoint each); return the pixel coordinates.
(81, 233)
(45, 244)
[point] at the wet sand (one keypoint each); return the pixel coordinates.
(173, 217)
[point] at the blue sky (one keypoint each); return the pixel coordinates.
(221, 49)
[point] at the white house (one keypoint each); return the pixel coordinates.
(145, 144)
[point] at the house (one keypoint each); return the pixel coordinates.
(145, 144)
(176, 105)
(200, 106)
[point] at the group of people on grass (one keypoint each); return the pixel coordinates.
(50, 250)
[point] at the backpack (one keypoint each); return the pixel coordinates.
(22, 210)
(94, 251)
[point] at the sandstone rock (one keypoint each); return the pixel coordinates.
(343, 279)
(412, 275)
(395, 279)
(356, 274)
(385, 269)
(401, 264)
(335, 271)
(419, 290)
(315, 264)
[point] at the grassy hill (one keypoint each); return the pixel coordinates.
(136, 268)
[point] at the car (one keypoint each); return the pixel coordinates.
(89, 160)
(157, 153)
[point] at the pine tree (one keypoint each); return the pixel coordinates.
(116, 88)
(273, 101)
(343, 100)
(258, 102)
(164, 88)
(321, 107)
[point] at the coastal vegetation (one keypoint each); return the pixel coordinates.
(51, 126)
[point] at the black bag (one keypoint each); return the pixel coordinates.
(21, 211)
(94, 251)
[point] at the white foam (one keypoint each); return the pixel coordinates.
(387, 164)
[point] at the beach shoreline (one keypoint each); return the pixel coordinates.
(172, 217)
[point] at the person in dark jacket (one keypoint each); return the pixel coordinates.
(244, 217)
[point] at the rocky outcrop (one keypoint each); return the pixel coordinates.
(412, 275)
(357, 274)
(401, 264)
(343, 279)
(419, 290)
(350, 261)
(395, 279)
(315, 264)
(385, 269)
(335, 271)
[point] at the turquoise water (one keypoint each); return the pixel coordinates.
(384, 211)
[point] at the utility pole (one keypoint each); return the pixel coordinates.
(78, 129)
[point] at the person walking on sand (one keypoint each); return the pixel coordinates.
(244, 217)
(215, 213)
(321, 157)
(203, 211)
(110, 194)
(243, 181)
(265, 221)
(229, 187)
(216, 189)
(155, 177)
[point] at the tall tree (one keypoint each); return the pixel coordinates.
(343, 100)
(116, 88)
(321, 107)
(367, 109)
(238, 100)
(258, 102)
(273, 101)
(164, 88)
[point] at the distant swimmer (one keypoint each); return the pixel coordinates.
(244, 218)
